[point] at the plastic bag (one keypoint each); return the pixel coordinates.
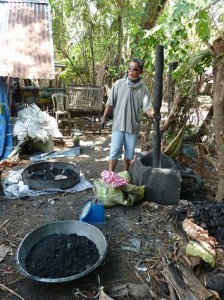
(126, 194)
(113, 179)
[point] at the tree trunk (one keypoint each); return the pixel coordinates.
(177, 103)
(92, 52)
(120, 37)
(203, 130)
(172, 66)
(218, 105)
(152, 11)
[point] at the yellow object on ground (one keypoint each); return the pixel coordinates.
(195, 249)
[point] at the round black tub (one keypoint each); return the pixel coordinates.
(48, 175)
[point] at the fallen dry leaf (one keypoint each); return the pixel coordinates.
(9, 162)
(219, 256)
(215, 294)
(200, 235)
(137, 290)
(103, 295)
(3, 251)
(188, 261)
(194, 260)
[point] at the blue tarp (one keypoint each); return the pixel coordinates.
(56, 154)
(5, 126)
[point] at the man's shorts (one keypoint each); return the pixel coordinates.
(120, 140)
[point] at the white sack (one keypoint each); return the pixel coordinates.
(36, 124)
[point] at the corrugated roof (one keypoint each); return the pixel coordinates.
(26, 44)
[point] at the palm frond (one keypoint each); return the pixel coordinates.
(202, 58)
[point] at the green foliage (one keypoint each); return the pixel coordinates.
(95, 31)
(2, 108)
(203, 25)
(89, 33)
(73, 73)
(222, 147)
(197, 63)
(181, 29)
(116, 72)
(181, 9)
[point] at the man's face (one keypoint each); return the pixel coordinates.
(134, 70)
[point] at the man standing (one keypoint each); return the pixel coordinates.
(127, 99)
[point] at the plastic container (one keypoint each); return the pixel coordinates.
(93, 213)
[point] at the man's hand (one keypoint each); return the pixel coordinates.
(156, 116)
(103, 122)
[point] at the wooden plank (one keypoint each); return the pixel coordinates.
(177, 281)
(194, 283)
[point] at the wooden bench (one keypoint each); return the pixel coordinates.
(85, 100)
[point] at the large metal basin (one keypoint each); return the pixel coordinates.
(60, 227)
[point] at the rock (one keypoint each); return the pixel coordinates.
(215, 282)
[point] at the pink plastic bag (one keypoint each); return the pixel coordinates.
(113, 178)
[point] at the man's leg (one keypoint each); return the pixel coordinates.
(126, 164)
(112, 164)
(117, 141)
(129, 145)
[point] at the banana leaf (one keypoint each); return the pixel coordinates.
(173, 148)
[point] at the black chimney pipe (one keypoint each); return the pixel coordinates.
(158, 95)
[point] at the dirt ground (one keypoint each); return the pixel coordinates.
(146, 222)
